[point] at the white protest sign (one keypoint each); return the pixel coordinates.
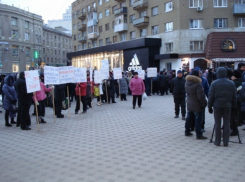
(32, 81)
(51, 75)
(117, 73)
(104, 70)
(91, 74)
(66, 74)
(151, 72)
(101, 90)
(97, 76)
(80, 75)
(141, 74)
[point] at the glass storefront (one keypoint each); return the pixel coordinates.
(115, 59)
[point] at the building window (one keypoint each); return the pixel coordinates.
(94, 43)
(106, 0)
(123, 4)
(94, 5)
(14, 21)
(84, 46)
(107, 27)
(14, 34)
(88, 8)
(27, 36)
(142, 14)
(131, 3)
(43, 50)
(100, 15)
(27, 24)
(132, 35)
(100, 2)
(28, 65)
(28, 52)
(196, 24)
(220, 23)
(195, 3)
(107, 40)
(241, 22)
(74, 15)
(101, 42)
(74, 26)
(154, 30)
(239, 2)
(15, 67)
(100, 29)
(169, 47)
(169, 26)
(113, 24)
(79, 47)
(154, 11)
(169, 66)
(168, 6)
(132, 17)
(114, 38)
(228, 46)
(196, 46)
(107, 12)
(143, 32)
(15, 50)
(220, 3)
(74, 37)
(123, 37)
(75, 48)
(114, 9)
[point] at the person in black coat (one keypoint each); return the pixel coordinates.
(178, 88)
(162, 83)
(110, 89)
(24, 102)
(59, 95)
(210, 76)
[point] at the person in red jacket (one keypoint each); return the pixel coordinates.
(81, 92)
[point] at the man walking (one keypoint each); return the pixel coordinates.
(196, 103)
(222, 97)
(178, 87)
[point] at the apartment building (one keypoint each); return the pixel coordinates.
(170, 34)
(55, 47)
(20, 37)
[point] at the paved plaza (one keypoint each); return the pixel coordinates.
(114, 143)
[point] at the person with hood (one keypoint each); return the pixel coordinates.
(59, 96)
(241, 70)
(25, 101)
(81, 91)
(137, 88)
(123, 84)
(178, 88)
(222, 97)
(10, 99)
(210, 76)
(196, 103)
(162, 83)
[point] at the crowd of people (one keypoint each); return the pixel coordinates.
(222, 91)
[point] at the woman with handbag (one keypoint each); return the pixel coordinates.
(10, 99)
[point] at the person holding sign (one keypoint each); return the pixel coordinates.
(59, 93)
(81, 89)
(123, 84)
(39, 99)
(137, 87)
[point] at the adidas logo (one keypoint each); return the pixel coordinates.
(134, 64)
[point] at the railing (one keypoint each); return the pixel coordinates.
(82, 27)
(123, 10)
(82, 16)
(93, 35)
(140, 4)
(239, 9)
(141, 21)
(82, 39)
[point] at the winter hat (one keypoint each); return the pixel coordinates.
(240, 65)
(179, 71)
(237, 74)
(195, 73)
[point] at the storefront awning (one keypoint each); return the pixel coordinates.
(228, 59)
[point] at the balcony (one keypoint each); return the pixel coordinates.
(141, 22)
(93, 36)
(92, 22)
(91, 10)
(140, 4)
(82, 39)
(121, 27)
(120, 1)
(120, 11)
(82, 27)
(82, 16)
(239, 9)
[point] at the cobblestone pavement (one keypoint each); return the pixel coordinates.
(114, 143)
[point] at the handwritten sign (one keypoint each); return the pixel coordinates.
(80, 75)
(141, 74)
(97, 77)
(104, 70)
(66, 74)
(32, 81)
(117, 73)
(51, 75)
(151, 72)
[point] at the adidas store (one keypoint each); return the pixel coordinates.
(130, 55)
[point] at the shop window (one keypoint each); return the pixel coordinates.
(195, 3)
(196, 46)
(28, 65)
(168, 6)
(220, 23)
(196, 24)
(228, 45)
(15, 67)
(169, 47)
(220, 3)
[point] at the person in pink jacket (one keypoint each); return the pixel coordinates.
(137, 88)
(39, 99)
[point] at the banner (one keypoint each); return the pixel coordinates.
(151, 72)
(104, 70)
(97, 77)
(32, 81)
(80, 75)
(66, 74)
(117, 73)
(141, 74)
(51, 75)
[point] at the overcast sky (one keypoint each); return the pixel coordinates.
(48, 9)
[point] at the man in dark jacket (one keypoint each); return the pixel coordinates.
(178, 88)
(59, 96)
(210, 76)
(222, 97)
(241, 70)
(196, 103)
(162, 83)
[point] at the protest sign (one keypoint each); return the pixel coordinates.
(151, 72)
(66, 74)
(117, 73)
(97, 77)
(80, 75)
(141, 74)
(104, 70)
(32, 81)
(51, 75)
